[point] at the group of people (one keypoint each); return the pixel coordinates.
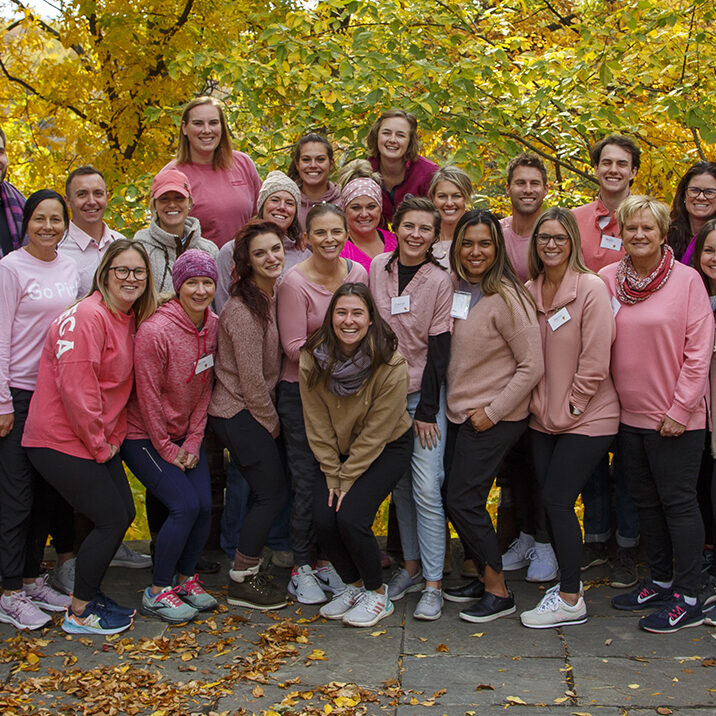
(349, 341)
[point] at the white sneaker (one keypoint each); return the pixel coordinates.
(329, 579)
(17, 609)
(62, 578)
(553, 611)
(543, 563)
(341, 603)
(304, 586)
(430, 606)
(127, 557)
(516, 555)
(370, 608)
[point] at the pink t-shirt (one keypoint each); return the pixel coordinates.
(32, 294)
(517, 247)
(224, 199)
(351, 251)
(302, 307)
(430, 292)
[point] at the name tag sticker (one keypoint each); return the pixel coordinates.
(204, 363)
(399, 304)
(559, 319)
(616, 306)
(611, 242)
(460, 305)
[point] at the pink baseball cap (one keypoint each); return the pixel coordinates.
(170, 180)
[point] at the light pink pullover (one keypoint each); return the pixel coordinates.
(662, 352)
(576, 359)
(170, 399)
(517, 247)
(32, 294)
(302, 306)
(430, 292)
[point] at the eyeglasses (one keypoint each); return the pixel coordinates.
(559, 239)
(695, 191)
(122, 272)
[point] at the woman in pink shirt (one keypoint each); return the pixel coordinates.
(414, 295)
(574, 408)
(660, 363)
(450, 190)
(303, 298)
(36, 284)
(78, 420)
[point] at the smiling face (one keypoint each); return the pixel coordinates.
(699, 205)
(350, 321)
(280, 207)
(203, 131)
(45, 228)
(708, 260)
(266, 257)
(556, 252)
(363, 216)
(642, 240)
(449, 201)
(195, 295)
(615, 170)
(327, 236)
(416, 233)
(172, 209)
(526, 191)
(477, 251)
(87, 200)
(393, 138)
(314, 165)
(125, 291)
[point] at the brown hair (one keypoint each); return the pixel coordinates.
(705, 230)
(223, 155)
(621, 141)
(372, 140)
(415, 203)
(566, 218)
(296, 154)
(526, 159)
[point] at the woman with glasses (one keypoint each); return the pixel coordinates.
(574, 407)
(694, 204)
(78, 420)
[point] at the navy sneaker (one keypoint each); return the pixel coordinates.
(646, 596)
(488, 608)
(112, 606)
(96, 619)
(674, 616)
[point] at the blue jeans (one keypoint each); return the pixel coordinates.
(418, 500)
(596, 497)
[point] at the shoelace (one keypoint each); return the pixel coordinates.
(515, 546)
(192, 585)
(531, 554)
(261, 582)
(550, 602)
(170, 596)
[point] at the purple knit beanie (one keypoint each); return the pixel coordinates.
(192, 263)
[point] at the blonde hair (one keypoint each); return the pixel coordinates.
(455, 176)
(223, 155)
(641, 202)
(357, 169)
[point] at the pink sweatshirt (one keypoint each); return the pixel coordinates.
(430, 292)
(171, 398)
(591, 232)
(351, 251)
(302, 307)
(224, 199)
(32, 294)
(517, 247)
(495, 360)
(80, 403)
(576, 359)
(662, 352)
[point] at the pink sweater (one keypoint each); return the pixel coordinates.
(576, 359)
(495, 360)
(80, 403)
(170, 399)
(590, 232)
(32, 294)
(224, 199)
(302, 307)
(351, 251)
(517, 247)
(430, 292)
(662, 352)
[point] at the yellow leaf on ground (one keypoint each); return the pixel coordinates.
(515, 700)
(478, 633)
(633, 686)
(378, 632)
(257, 691)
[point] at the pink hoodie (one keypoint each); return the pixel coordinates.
(80, 401)
(170, 398)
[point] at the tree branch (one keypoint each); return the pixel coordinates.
(697, 141)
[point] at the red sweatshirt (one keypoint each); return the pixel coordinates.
(85, 379)
(173, 380)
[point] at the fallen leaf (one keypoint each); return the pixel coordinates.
(378, 632)
(317, 655)
(515, 700)
(438, 694)
(478, 633)
(708, 662)
(581, 713)
(423, 638)
(664, 710)
(32, 658)
(420, 656)
(442, 647)
(561, 699)
(484, 687)
(633, 686)
(608, 642)
(257, 691)
(302, 639)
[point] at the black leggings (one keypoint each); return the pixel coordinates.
(563, 464)
(100, 492)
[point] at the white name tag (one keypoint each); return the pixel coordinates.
(616, 306)
(611, 242)
(460, 305)
(559, 319)
(204, 363)
(399, 304)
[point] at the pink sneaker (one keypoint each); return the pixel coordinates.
(18, 610)
(43, 595)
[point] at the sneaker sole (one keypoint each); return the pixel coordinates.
(428, 617)
(251, 605)
(206, 608)
(305, 601)
(671, 630)
(72, 628)
(571, 622)
(407, 590)
(459, 600)
(709, 621)
(152, 614)
(594, 563)
(382, 615)
(652, 604)
(326, 587)
(130, 565)
(7, 619)
(49, 607)
(336, 616)
(487, 618)
(616, 584)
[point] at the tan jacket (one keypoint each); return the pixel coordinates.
(358, 426)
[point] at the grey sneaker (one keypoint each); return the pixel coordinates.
(369, 609)
(341, 603)
(430, 606)
(401, 583)
(127, 557)
(42, 595)
(193, 593)
(167, 606)
(624, 574)
(553, 611)
(62, 578)
(329, 579)
(305, 586)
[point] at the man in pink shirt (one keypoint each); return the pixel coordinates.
(615, 160)
(526, 187)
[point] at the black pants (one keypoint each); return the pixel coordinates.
(27, 504)
(662, 474)
(476, 458)
(563, 464)
(100, 492)
(346, 536)
(304, 470)
(259, 457)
